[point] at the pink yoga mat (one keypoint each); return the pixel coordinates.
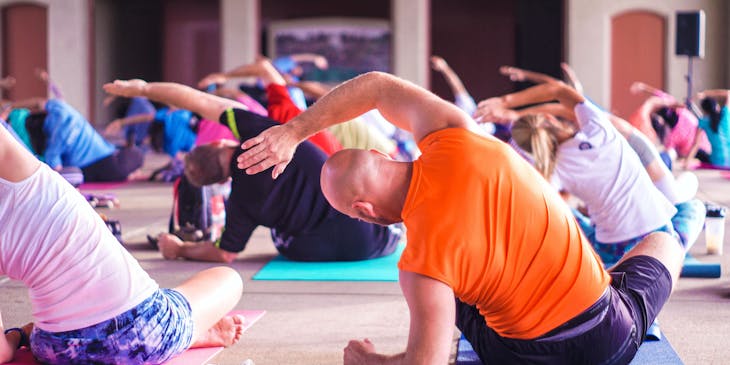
(192, 356)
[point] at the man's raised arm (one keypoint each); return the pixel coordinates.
(403, 103)
(207, 105)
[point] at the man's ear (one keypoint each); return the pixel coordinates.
(372, 150)
(364, 208)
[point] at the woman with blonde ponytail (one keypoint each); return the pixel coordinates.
(537, 137)
(574, 145)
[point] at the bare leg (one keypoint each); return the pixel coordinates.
(212, 293)
(662, 247)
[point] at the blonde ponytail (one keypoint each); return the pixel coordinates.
(534, 135)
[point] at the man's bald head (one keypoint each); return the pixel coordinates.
(343, 177)
(364, 185)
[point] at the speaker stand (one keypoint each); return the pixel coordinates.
(689, 80)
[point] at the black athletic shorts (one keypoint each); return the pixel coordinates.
(609, 332)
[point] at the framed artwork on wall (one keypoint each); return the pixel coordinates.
(352, 46)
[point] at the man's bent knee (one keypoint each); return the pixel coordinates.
(663, 247)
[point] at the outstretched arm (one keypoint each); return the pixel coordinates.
(518, 74)
(640, 87)
(53, 89)
(432, 310)
(262, 69)
(404, 104)
(314, 89)
(722, 95)
(462, 99)
(542, 93)
(571, 78)
(319, 61)
(116, 125)
(184, 97)
(440, 65)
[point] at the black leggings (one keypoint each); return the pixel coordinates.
(115, 167)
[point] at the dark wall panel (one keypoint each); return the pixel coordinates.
(475, 37)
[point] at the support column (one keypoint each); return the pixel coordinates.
(411, 40)
(239, 32)
(68, 51)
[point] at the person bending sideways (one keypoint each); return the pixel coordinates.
(91, 300)
(521, 293)
(303, 225)
(64, 138)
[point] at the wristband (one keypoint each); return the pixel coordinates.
(23, 338)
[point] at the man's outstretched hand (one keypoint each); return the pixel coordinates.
(272, 147)
(126, 88)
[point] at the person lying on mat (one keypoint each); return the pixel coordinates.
(715, 124)
(303, 225)
(483, 226)
(91, 300)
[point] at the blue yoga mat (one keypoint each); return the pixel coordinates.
(380, 269)
(694, 268)
(656, 352)
(650, 352)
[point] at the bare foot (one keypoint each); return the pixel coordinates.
(224, 333)
(138, 175)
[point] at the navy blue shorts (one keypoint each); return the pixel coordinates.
(341, 238)
(609, 332)
(115, 167)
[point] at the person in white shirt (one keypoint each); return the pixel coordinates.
(593, 161)
(91, 300)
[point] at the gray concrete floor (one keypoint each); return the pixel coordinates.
(311, 322)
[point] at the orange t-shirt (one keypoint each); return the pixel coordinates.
(480, 219)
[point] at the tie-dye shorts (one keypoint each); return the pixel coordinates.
(151, 333)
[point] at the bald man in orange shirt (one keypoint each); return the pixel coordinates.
(483, 227)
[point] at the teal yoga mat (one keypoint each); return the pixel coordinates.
(650, 352)
(380, 269)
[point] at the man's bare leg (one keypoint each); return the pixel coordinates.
(212, 293)
(662, 247)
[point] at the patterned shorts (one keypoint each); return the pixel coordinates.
(685, 226)
(151, 333)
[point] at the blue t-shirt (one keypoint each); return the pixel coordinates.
(179, 135)
(70, 138)
(137, 106)
(17, 119)
(719, 140)
(285, 65)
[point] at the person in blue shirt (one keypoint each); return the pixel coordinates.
(135, 134)
(64, 138)
(716, 125)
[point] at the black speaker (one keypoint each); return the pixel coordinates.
(690, 33)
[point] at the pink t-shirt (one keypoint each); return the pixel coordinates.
(210, 131)
(682, 136)
(252, 105)
(76, 272)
